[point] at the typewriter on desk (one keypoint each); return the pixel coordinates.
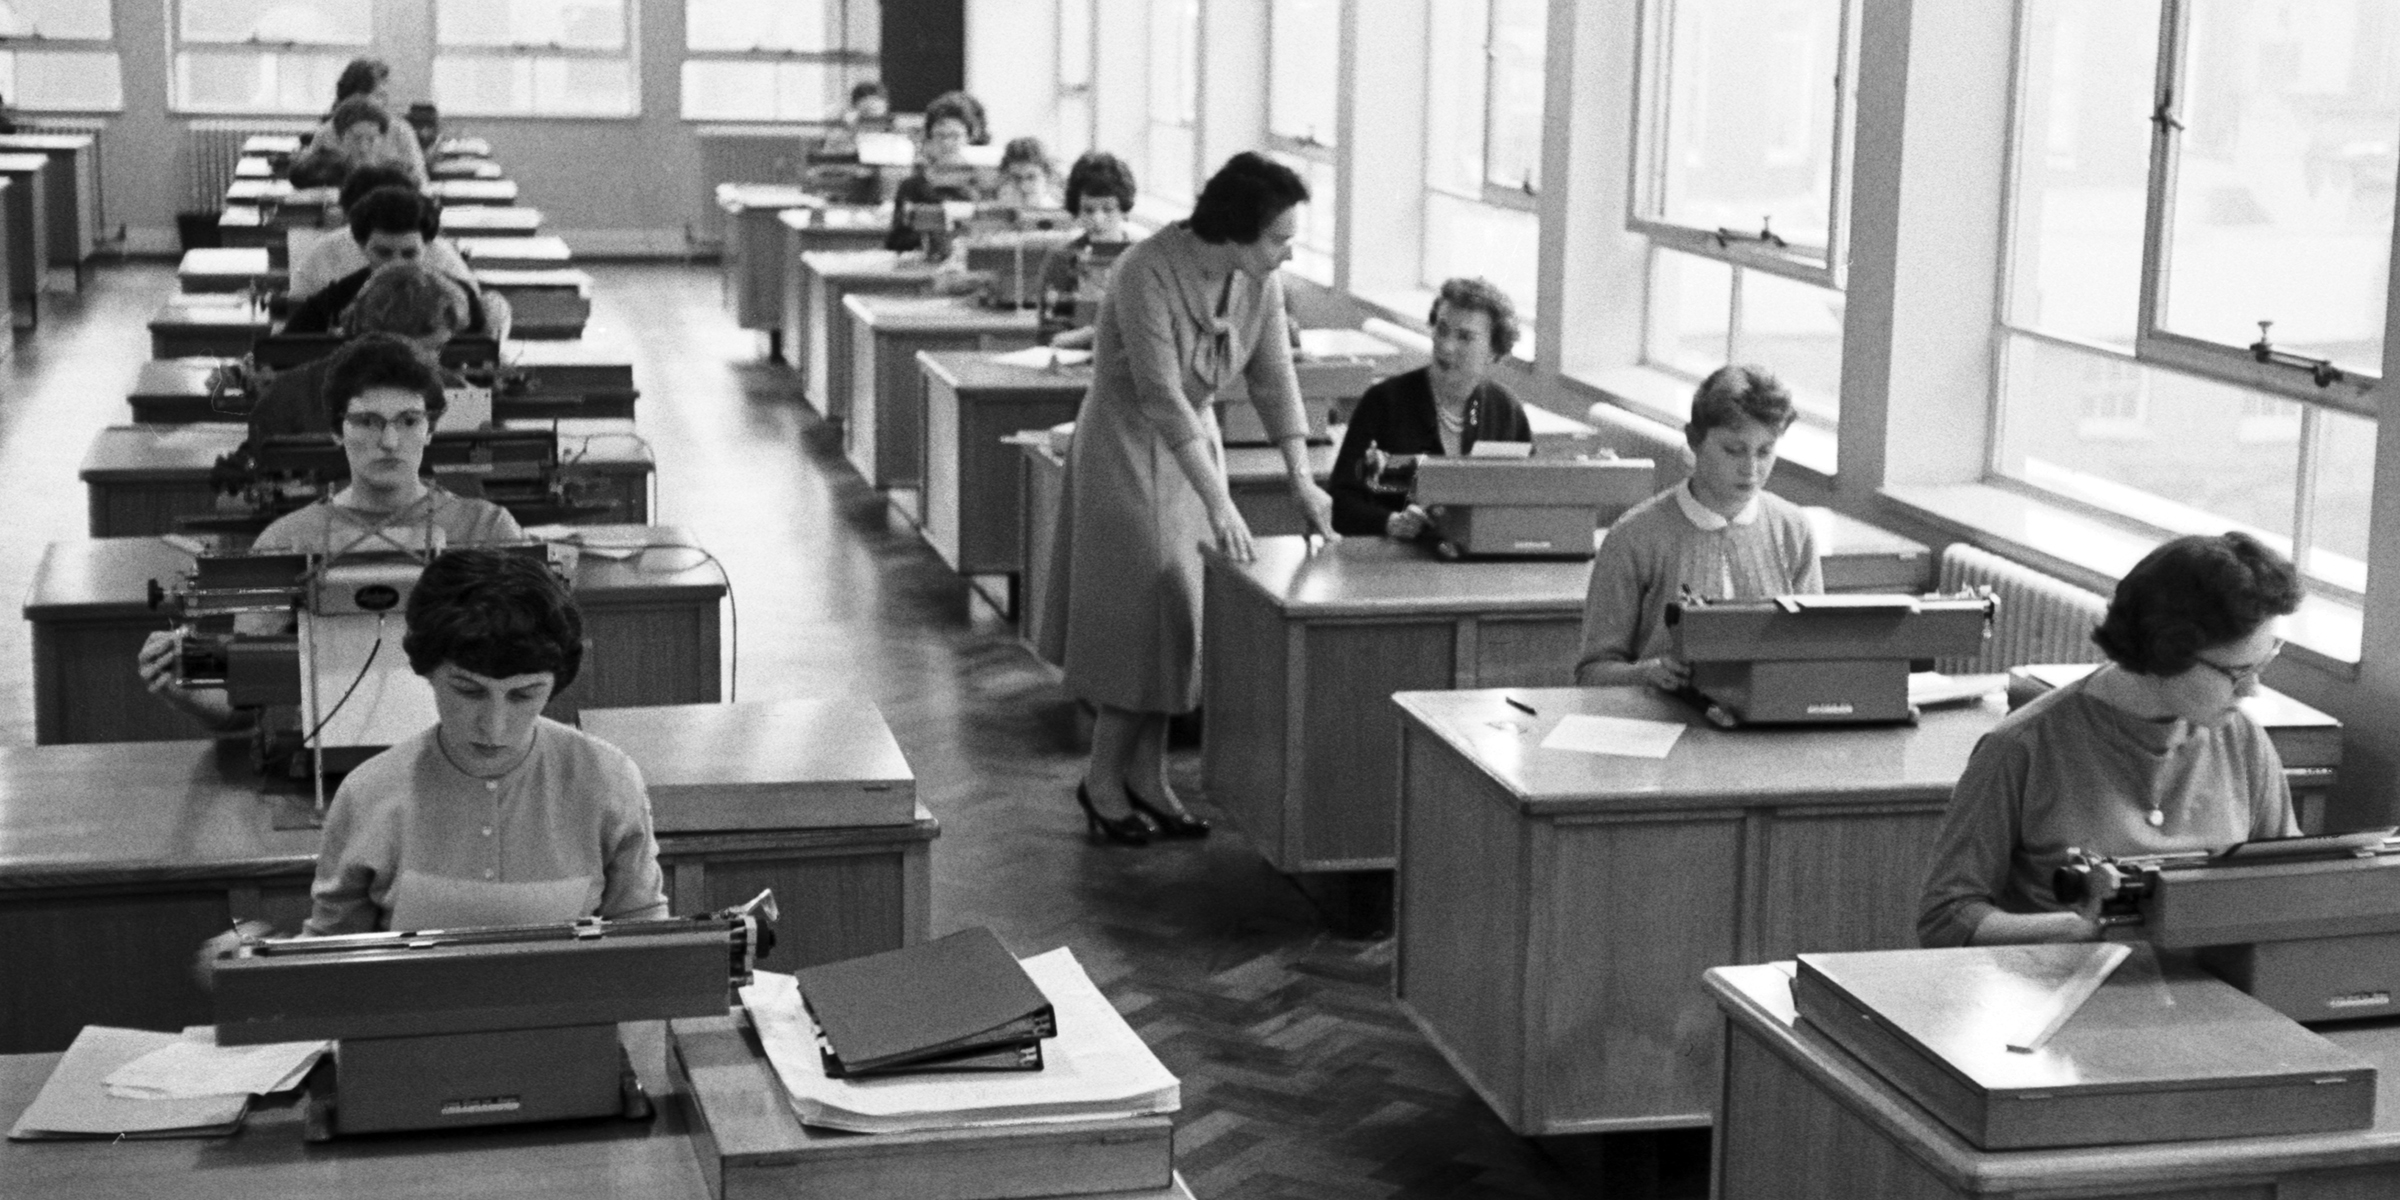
(1819, 660)
(1501, 501)
(1064, 310)
(518, 469)
(2308, 925)
(445, 1029)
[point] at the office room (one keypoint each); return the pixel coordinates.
(1292, 598)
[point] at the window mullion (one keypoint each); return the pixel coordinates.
(1733, 316)
(2304, 488)
(2174, 22)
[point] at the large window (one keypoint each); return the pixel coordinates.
(535, 58)
(2198, 260)
(1483, 144)
(265, 56)
(1174, 139)
(1304, 54)
(1742, 161)
(57, 56)
(1075, 72)
(765, 60)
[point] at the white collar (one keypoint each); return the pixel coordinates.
(1707, 519)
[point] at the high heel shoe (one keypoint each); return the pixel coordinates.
(1132, 829)
(1170, 824)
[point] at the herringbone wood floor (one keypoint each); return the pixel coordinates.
(1301, 1079)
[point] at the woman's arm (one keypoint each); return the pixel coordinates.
(1356, 510)
(632, 888)
(341, 900)
(1612, 624)
(1973, 856)
(1275, 393)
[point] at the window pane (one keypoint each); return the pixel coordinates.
(2341, 496)
(2172, 450)
(2083, 168)
(1748, 116)
(1454, 94)
(559, 24)
(1174, 60)
(1691, 307)
(62, 81)
(1304, 45)
(309, 22)
(1324, 199)
(1463, 237)
(1795, 330)
(722, 90)
(54, 19)
(256, 81)
(1519, 31)
(754, 25)
(1170, 173)
(1075, 43)
(2283, 191)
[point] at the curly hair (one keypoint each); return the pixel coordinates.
(2191, 594)
(1244, 197)
(361, 76)
(1739, 392)
(394, 210)
(374, 177)
(380, 360)
(494, 613)
(1481, 295)
(1099, 173)
(359, 110)
(962, 108)
(410, 300)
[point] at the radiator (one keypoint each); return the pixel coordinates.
(95, 128)
(2041, 619)
(210, 149)
(748, 154)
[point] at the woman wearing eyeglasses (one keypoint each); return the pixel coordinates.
(1187, 312)
(2149, 754)
(384, 398)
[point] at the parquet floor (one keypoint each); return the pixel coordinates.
(1301, 1078)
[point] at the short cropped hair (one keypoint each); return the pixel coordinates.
(494, 613)
(2192, 594)
(867, 88)
(962, 108)
(1099, 173)
(362, 76)
(373, 177)
(359, 110)
(394, 210)
(1244, 197)
(408, 300)
(380, 360)
(1481, 295)
(1026, 150)
(1735, 393)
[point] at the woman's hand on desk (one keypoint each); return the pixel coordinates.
(1317, 505)
(1667, 673)
(157, 662)
(1226, 524)
(223, 946)
(1074, 339)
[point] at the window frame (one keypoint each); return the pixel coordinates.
(177, 48)
(1310, 148)
(841, 62)
(630, 54)
(1525, 196)
(1825, 266)
(38, 42)
(1188, 120)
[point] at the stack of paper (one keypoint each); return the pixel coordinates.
(76, 1103)
(194, 1065)
(1096, 1068)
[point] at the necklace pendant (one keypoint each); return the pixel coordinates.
(2157, 818)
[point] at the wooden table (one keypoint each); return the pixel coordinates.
(974, 481)
(464, 167)
(1797, 1116)
(652, 622)
(144, 480)
(544, 381)
(116, 862)
(226, 270)
(473, 191)
(74, 202)
(207, 326)
(1556, 908)
(548, 303)
(816, 319)
(490, 220)
(28, 214)
(519, 252)
(884, 431)
(253, 166)
(753, 257)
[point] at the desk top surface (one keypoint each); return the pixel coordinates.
(737, 197)
(855, 266)
(130, 453)
(546, 247)
(1373, 576)
(937, 315)
(841, 740)
(221, 311)
(837, 218)
(473, 189)
(90, 815)
(110, 577)
(469, 220)
(45, 141)
(1709, 767)
(1758, 999)
(14, 164)
(974, 373)
(229, 260)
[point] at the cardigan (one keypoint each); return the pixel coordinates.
(1397, 416)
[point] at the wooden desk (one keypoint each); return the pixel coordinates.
(463, 167)
(1859, 557)
(207, 327)
(513, 253)
(884, 431)
(1301, 653)
(473, 191)
(74, 200)
(242, 226)
(488, 220)
(652, 621)
(471, 147)
(253, 166)
(974, 482)
(547, 381)
(222, 270)
(1797, 1116)
(142, 480)
(818, 330)
(28, 212)
(1556, 909)
(271, 143)
(753, 257)
(552, 303)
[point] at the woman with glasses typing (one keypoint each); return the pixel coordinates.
(383, 397)
(2149, 754)
(1188, 311)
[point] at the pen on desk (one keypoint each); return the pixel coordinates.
(1520, 706)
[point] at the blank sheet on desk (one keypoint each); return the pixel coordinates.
(1623, 736)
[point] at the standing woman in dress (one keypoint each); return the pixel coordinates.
(1187, 310)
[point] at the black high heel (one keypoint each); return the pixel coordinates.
(1132, 829)
(1170, 824)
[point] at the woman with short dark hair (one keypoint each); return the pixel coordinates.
(1100, 195)
(327, 160)
(1187, 310)
(2149, 754)
(953, 121)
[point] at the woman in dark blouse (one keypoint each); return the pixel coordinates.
(1440, 409)
(953, 121)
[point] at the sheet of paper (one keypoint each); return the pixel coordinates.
(1929, 689)
(1623, 736)
(1042, 358)
(195, 1065)
(1501, 450)
(74, 1102)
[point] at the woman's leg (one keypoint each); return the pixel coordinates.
(1116, 740)
(1146, 770)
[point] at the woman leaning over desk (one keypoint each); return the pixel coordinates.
(1145, 484)
(1443, 408)
(2149, 754)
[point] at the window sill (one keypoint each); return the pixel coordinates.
(1406, 308)
(2093, 553)
(1667, 399)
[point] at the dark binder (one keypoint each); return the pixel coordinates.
(941, 999)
